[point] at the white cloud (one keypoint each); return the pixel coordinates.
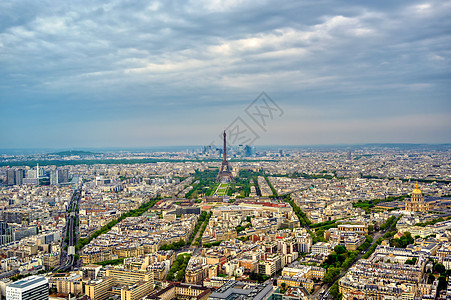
(220, 5)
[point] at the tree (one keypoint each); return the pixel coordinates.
(334, 292)
(170, 276)
(331, 259)
(180, 275)
(403, 241)
(331, 273)
(441, 283)
(341, 257)
(439, 268)
(240, 228)
(283, 285)
(339, 249)
(411, 261)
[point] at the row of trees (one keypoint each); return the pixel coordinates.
(392, 230)
(132, 213)
(243, 183)
(366, 244)
(387, 223)
(326, 223)
(209, 245)
(178, 268)
(303, 219)
(372, 248)
(432, 222)
(273, 190)
(200, 221)
(204, 226)
(317, 236)
(331, 273)
(112, 262)
(334, 291)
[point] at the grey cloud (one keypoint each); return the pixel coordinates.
(137, 57)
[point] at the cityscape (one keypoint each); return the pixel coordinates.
(225, 150)
(226, 222)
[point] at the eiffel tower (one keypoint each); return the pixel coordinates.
(224, 175)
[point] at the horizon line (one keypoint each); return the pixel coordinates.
(200, 145)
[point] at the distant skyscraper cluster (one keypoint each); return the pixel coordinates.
(234, 151)
(58, 176)
(15, 177)
(249, 151)
(32, 176)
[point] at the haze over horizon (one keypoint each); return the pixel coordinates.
(181, 148)
(142, 74)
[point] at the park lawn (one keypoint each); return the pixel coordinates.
(221, 190)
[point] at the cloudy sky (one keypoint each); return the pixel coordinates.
(152, 73)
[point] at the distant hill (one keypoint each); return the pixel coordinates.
(73, 152)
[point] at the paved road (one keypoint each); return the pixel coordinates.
(67, 260)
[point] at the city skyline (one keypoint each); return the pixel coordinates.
(304, 223)
(174, 73)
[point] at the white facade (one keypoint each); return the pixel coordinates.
(24, 288)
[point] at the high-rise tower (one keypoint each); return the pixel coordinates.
(224, 175)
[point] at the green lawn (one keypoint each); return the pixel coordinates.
(221, 190)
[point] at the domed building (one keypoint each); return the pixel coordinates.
(416, 201)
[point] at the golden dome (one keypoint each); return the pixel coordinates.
(416, 190)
